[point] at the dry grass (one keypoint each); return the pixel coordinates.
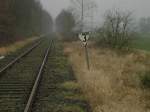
(15, 46)
(113, 83)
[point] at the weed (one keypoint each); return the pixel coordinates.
(112, 83)
(146, 79)
(73, 108)
(70, 85)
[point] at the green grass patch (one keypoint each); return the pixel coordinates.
(68, 95)
(71, 85)
(142, 42)
(73, 108)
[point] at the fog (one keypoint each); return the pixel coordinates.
(140, 8)
(55, 6)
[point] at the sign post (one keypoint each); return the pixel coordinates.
(84, 38)
(87, 57)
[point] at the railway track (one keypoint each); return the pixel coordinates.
(36, 83)
(29, 104)
(19, 78)
(19, 57)
(52, 95)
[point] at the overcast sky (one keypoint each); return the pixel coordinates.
(139, 7)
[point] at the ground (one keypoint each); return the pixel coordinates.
(142, 42)
(113, 84)
(58, 90)
(5, 50)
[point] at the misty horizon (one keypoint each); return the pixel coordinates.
(138, 7)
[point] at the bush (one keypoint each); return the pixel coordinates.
(116, 31)
(146, 79)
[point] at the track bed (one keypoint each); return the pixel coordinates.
(58, 90)
(16, 82)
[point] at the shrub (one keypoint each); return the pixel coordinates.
(146, 79)
(116, 31)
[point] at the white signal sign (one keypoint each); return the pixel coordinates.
(84, 37)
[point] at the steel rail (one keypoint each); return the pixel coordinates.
(19, 57)
(37, 82)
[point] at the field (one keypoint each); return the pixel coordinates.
(113, 84)
(143, 42)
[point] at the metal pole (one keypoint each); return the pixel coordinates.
(85, 47)
(87, 57)
(82, 15)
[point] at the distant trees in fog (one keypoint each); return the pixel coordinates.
(144, 25)
(20, 18)
(78, 17)
(65, 24)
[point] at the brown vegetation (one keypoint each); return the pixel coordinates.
(113, 83)
(17, 45)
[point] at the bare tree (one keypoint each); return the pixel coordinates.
(116, 31)
(83, 11)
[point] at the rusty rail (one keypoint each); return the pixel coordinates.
(37, 82)
(19, 57)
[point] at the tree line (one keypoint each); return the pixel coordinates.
(69, 21)
(65, 22)
(22, 18)
(118, 30)
(144, 25)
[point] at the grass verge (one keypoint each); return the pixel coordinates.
(146, 79)
(113, 83)
(15, 46)
(12, 52)
(142, 42)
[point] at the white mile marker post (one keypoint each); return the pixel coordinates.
(84, 37)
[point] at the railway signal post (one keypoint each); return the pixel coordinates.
(84, 37)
